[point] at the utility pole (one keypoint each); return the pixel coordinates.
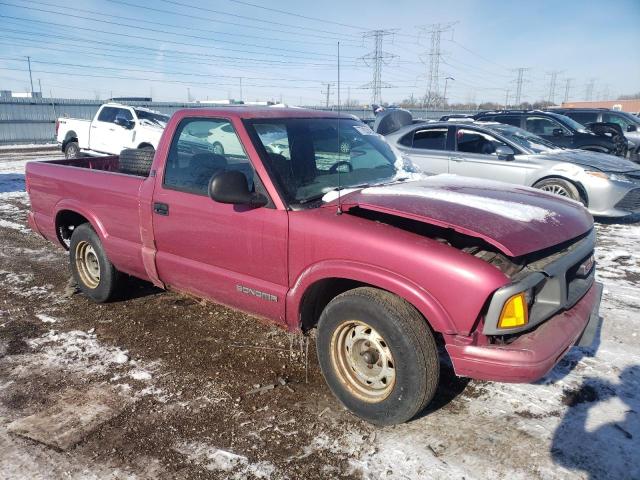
(506, 99)
(188, 95)
(40, 87)
(327, 93)
(567, 88)
(519, 81)
(444, 95)
(588, 93)
(376, 59)
(435, 30)
(30, 78)
(552, 85)
(240, 78)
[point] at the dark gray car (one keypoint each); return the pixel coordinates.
(605, 184)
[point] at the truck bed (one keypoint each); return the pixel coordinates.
(106, 164)
(95, 188)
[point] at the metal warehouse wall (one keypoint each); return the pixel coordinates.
(29, 120)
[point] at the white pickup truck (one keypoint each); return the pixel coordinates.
(114, 128)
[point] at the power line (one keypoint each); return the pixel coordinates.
(588, 93)
(376, 59)
(323, 20)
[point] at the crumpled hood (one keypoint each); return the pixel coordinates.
(516, 220)
(585, 158)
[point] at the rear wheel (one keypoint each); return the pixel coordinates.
(94, 274)
(560, 187)
(378, 355)
(72, 150)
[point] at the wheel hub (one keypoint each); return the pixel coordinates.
(363, 361)
(87, 264)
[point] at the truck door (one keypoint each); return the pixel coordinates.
(106, 136)
(233, 254)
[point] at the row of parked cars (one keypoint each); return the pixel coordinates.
(540, 149)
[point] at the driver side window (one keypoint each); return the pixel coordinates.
(473, 141)
(202, 148)
(543, 126)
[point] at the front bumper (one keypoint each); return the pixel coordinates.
(533, 354)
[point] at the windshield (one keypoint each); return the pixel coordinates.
(311, 157)
(156, 118)
(523, 138)
(570, 122)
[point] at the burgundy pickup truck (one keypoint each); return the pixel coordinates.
(312, 221)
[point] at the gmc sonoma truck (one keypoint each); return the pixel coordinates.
(113, 128)
(386, 267)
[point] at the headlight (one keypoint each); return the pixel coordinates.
(515, 312)
(617, 177)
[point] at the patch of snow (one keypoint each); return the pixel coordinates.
(140, 375)
(14, 226)
(504, 208)
(45, 318)
(217, 460)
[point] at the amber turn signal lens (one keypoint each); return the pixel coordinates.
(515, 312)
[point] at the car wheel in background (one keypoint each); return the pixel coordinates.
(378, 355)
(559, 187)
(92, 271)
(72, 150)
(136, 161)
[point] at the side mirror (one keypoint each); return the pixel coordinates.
(505, 152)
(632, 128)
(123, 122)
(558, 132)
(230, 186)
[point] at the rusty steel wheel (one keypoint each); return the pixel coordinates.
(363, 361)
(87, 264)
(92, 271)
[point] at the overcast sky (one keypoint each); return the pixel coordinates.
(176, 49)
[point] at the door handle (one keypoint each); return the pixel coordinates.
(455, 159)
(161, 208)
(94, 126)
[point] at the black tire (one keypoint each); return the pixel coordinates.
(136, 161)
(72, 150)
(560, 187)
(406, 335)
(218, 149)
(110, 279)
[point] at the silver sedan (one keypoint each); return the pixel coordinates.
(607, 185)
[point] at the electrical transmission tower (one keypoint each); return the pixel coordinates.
(552, 85)
(435, 31)
(567, 88)
(520, 80)
(376, 59)
(588, 92)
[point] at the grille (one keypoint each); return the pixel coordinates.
(631, 201)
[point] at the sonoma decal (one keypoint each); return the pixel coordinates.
(256, 293)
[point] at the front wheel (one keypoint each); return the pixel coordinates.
(559, 187)
(378, 355)
(94, 274)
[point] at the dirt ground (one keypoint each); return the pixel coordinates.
(212, 393)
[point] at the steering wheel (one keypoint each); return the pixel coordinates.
(335, 166)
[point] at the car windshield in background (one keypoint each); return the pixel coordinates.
(153, 117)
(570, 122)
(523, 138)
(311, 157)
